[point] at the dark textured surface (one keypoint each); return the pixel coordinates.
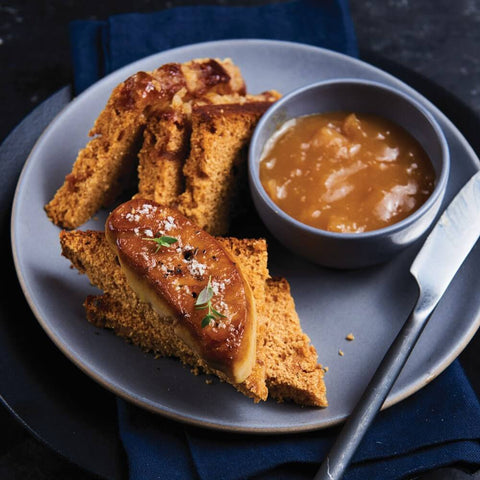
(436, 40)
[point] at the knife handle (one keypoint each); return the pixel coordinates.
(338, 459)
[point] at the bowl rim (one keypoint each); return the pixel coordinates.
(437, 193)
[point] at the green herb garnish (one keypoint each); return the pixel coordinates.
(204, 301)
(162, 241)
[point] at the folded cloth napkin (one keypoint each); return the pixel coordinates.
(100, 47)
(438, 426)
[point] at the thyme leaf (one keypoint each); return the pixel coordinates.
(163, 241)
(204, 301)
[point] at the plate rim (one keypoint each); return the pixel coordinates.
(421, 381)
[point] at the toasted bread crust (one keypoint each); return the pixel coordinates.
(293, 372)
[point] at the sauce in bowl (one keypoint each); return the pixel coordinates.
(346, 172)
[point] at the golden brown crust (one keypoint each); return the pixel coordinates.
(101, 171)
(167, 141)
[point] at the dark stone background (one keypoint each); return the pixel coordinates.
(438, 40)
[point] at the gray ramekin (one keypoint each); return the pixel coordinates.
(350, 250)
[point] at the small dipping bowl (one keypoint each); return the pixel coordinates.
(350, 250)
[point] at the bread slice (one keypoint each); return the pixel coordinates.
(107, 163)
(121, 310)
(292, 369)
(215, 169)
(167, 144)
(286, 365)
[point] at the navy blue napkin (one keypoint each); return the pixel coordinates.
(438, 426)
(100, 47)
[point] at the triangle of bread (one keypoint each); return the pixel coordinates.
(286, 366)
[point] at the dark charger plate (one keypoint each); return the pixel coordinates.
(58, 403)
(49, 395)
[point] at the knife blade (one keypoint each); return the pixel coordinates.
(442, 254)
(450, 241)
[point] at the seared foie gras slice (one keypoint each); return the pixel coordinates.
(190, 278)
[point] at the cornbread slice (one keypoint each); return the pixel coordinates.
(286, 365)
(108, 162)
(215, 169)
(166, 143)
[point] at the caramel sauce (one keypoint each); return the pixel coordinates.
(142, 89)
(213, 74)
(157, 88)
(172, 277)
(345, 172)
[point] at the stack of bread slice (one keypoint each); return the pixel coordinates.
(180, 133)
(196, 161)
(158, 134)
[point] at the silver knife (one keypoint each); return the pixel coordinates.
(434, 267)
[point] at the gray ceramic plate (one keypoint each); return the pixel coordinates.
(370, 303)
